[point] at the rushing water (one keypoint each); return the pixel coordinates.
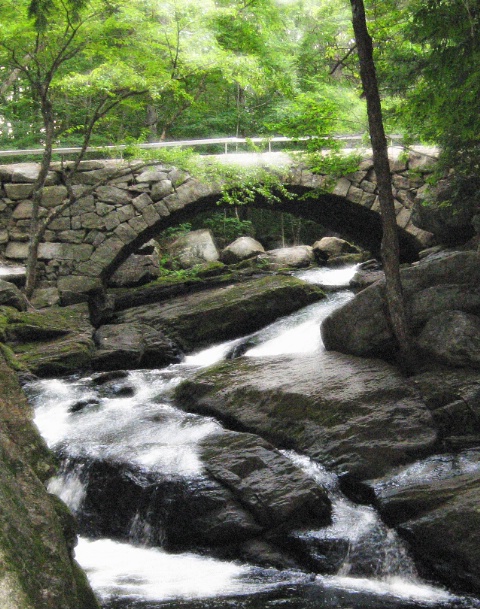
(133, 420)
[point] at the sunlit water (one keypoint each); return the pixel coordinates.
(134, 421)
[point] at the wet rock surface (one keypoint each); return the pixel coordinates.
(37, 534)
(434, 505)
(224, 313)
(437, 284)
(362, 427)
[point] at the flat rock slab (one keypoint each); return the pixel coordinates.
(224, 313)
(357, 416)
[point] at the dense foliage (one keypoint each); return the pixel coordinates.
(174, 69)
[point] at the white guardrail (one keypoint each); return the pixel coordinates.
(355, 140)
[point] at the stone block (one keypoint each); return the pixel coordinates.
(83, 205)
(161, 189)
(376, 205)
(177, 177)
(19, 234)
(150, 215)
(103, 209)
(16, 250)
(112, 194)
(356, 177)
(342, 187)
(92, 220)
(138, 224)
(3, 237)
(403, 217)
(151, 175)
(51, 251)
(53, 195)
(125, 213)
(23, 211)
(6, 172)
(368, 199)
(71, 236)
(16, 192)
(60, 224)
(25, 172)
(142, 201)
(400, 181)
(111, 221)
(80, 252)
(355, 195)
(76, 288)
(368, 186)
(161, 209)
(125, 232)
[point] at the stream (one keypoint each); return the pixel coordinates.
(133, 420)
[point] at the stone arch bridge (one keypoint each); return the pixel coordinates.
(92, 237)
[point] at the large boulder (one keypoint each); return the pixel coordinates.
(434, 504)
(49, 342)
(211, 316)
(127, 346)
(138, 269)
(453, 338)
(445, 282)
(363, 427)
(11, 296)
(37, 534)
(447, 211)
(298, 256)
(275, 490)
(330, 247)
(241, 249)
(195, 247)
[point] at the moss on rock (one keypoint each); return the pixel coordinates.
(224, 313)
(47, 342)
(37, 570)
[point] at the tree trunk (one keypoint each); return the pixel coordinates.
(31, 266)
(390, 247)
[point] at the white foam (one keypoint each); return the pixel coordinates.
(115, 568)
(395, 586)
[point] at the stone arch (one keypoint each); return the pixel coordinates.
(95, 235)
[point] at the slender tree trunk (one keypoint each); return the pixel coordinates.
(390, 247)
(35, 236)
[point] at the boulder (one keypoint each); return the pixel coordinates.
(454, 404)
(295, 257)
(51, 341)
(128, 346)
(446, 211)
(444, 282)
(241, 249)
(267, 483)
(363, 427)
(11, 296)
(37, 533)
(453, 338)
(176, 513)
(331, 247)
(196, 247)
(368, 273)
(137, 269)
(210, 316)
(434, 505)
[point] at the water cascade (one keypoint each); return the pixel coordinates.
(139, 555)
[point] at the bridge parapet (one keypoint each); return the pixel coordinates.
(108, 222)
